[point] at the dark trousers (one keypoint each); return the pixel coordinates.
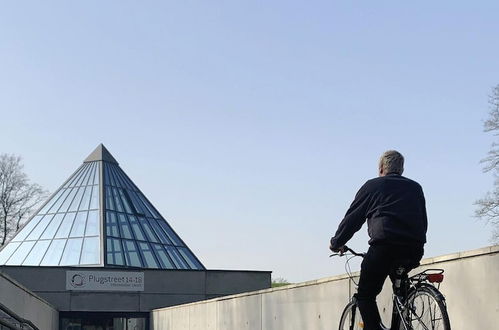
(378, 263)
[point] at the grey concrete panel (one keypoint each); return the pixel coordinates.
(27, 305)
(150, 301)
(38, 278)
(180, 319)
(226, 282)
(162, 320)
(61, 300)
(185, 282)
(180, 286)
(198, 317)
(105, 301)
(244, 313)
(470, 288)
(203, 317)
(305, 307)
(472, 292)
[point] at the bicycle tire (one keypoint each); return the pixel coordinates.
(350, 318)
(426, 310)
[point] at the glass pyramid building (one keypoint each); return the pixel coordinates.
(98, 218)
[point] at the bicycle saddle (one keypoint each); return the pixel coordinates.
(406, 265)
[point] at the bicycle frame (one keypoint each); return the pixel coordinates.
(403, 288)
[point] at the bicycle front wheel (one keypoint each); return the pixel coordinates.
(350, 318)
(427, 310)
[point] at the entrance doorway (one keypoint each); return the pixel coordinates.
(103, 321)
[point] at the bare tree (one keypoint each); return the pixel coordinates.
(18, 197)
(488, 206)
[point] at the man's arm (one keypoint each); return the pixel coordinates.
(353, 220)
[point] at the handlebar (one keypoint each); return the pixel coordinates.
(347, 249)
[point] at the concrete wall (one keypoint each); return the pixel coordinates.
(161, 288)
(470, 286)
(27, 305)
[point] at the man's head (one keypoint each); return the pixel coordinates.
(391, 162)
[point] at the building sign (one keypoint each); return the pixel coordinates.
(104, 281)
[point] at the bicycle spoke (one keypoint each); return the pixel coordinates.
(425, 313)
(351, 319)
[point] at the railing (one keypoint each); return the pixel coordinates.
(11, 320)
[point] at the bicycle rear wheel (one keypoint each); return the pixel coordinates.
(350, 318)
(426, 310)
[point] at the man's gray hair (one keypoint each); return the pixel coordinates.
(392, 161)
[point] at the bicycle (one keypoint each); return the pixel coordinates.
(417, 302)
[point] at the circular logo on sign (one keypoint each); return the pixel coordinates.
(78, 281)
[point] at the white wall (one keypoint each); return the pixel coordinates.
(27, 305)
(470, 287)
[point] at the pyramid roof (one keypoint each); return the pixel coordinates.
(98, 217)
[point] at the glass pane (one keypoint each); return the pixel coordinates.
(148, 256)
(53, 226)
(54, 253)
(148, 231)
(90, 255)
(112, 225)
(132, 254)
(107, 180)
(124, 226)
(91, 174)
(37, 253)
(136, 204)
(136, 228)
(86, 198)
(125, 202)
(117, 202)
(112, 177)
(88, 175)
(51, 202)
(118, 180)
(171, 235)
(97, 173)
(165, 261)
(177, 259)
(68, 201)
(78, 229)
(59, 202)
(114, 252)
(21, 253)
(27, 229)
(35, 233)
(66, 225)
(76, 201)
(8, 251)
(94, 201)
(82, 178)
(121, 179)
(106, 174)
(78, 176)
(191, 260)
(109, 198)
(75, 176)
(93, 224)
(149, 207)
(161, 234)
(71, 255)
(126, 180)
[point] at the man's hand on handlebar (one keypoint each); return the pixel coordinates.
(341, 250)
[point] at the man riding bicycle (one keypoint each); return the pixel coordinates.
(394, 207)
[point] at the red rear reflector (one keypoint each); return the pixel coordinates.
(435, 278)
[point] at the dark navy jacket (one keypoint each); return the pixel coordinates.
(394, 207)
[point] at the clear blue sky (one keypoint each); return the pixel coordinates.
(251, 124)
